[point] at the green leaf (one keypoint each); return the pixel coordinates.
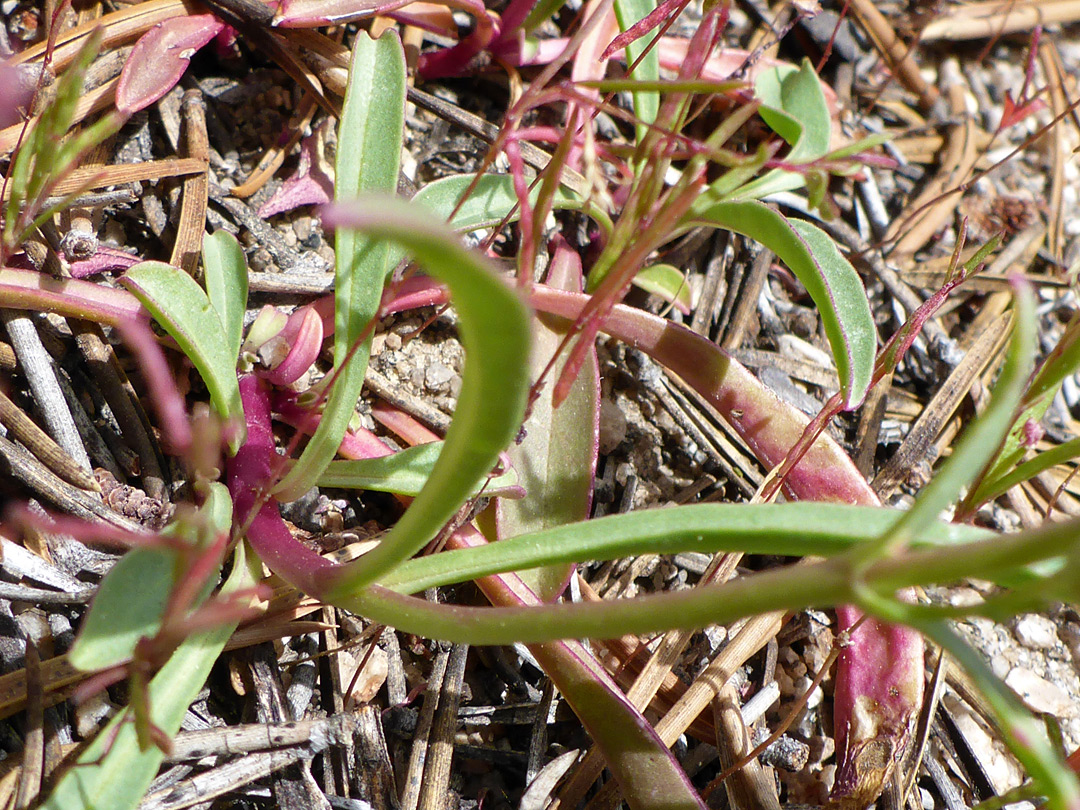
(403, 473)
(669, 283)
(794, 105)
(368, 160)
(179, 304)
(795, 529)
(492, 200)
(227, 284)
(556, 456)
(494, 329)
(114, 771)
(646, 102)
(979, 442)
(1062, 361)
(829, 278)
(128, 606)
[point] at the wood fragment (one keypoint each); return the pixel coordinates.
(917, 449)
(187, 248)
(33, 759)
(410, 795)
(435, 788)
(40, 373)
(750, 787)
(996, 18)
(47, 451)
(898, 55)
(126, 406)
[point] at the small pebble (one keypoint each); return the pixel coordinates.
(1038, 693)
(612, 426)
(437, 376)
(1036, 632)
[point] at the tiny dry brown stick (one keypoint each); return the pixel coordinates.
(19, 463)
(435, 788)
(410, 796)
(124, 403)
(58, 679)
(747, 301)
(918, 446)
(232, 776)
(39, 443)
(894, 51)
(869, 428)
(935, 206)
(40, 372)
(750, 787)
(428, 415)
(273, 157)
(374, 772)
(33, 761)
(291, 284)
(1050, 60)
(92, 177)
(189, 231)
(245, 739)
(995, 18)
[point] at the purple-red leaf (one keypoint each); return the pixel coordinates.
(311, 184)
(160, 58)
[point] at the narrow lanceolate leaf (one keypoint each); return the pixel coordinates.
(829, 278)
(646, 103)
(368, 158)
(160, 58)
(128, 606)
(403, 473)
(491, 201)
(183, 310)
(794, 105)
(556, 458)
(494, 328)
(226, 285)
(114, 771)
(666, 281)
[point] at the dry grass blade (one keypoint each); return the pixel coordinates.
(899, 56)
(96, 100)
(934, 207)
(995, 18)
(1056, 76)
(189, 231)
(43, 447)
(93, 177)
(917, 451)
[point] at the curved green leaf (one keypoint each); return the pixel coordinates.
(492, 200)
(179, 304)
(403, 473)
(794, 105)
(128, 606)
(494, 328)
(829, 278)
(226, 284)
(368, 159)
(795, 529)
